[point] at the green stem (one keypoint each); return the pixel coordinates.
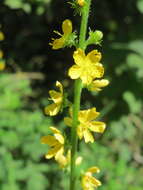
(77, 96)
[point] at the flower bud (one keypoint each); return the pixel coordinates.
(81, 3)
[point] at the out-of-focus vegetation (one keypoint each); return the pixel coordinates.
(31, 70)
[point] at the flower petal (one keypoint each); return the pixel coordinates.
(55, 130)
(68, 121)
(59, 138)
(92, 114)
(80, 132)
(55, 96)
(74, 72)
(79, 57)
(62, 161)
(94, 181)
(97, 126)
(88, 136)
(2, 37)
(98, 84)
(93, 169)
(57, 43)
(60, 86)
(59, 152)
(52, 109)
(97, 70)
(52, 152)
(67, 27)
(86, 78)
(50, 140)
(94, 56)
(1, 54)
(87, 115)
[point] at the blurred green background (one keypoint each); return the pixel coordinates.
(32, 69)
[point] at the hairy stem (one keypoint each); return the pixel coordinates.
(77, 96)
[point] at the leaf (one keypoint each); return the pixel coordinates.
(133, 103)
(140, 5)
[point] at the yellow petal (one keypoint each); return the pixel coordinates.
(94, 56)
(67, 27)
(50, 140)
(97, 70)
(79, 57)
(94, 181)
(86, 78)
(59, 138)
(55, 130)
(93, 169)
(98, 84)
(92, 114)
(62, 161)
(1, 36)
(68, 121)
(86, 184)
(52, 109)
(87, 115)
(2, 65)
(58, 43)
(81, 2)
(59, 152)
(60, 86)
(74, 72)
(52, 152)
(88, 136)
(1, 54)
(97, 126)
(80, 131)
(56, 96)
(82, 116)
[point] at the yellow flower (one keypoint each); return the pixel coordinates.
(2, 65)
(1, 54)
(67, 30)
(96, 85)
(89, 182)
(57, 98)
(87, 68)
(64, 161)
(86, 124)
(81, 2)
(1, 36)
(56, 142)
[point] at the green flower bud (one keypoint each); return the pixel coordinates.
(95, 37)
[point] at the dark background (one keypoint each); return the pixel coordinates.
(32, 68)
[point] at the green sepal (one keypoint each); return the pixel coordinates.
(76, 7)
(71, 40)
(95, 37)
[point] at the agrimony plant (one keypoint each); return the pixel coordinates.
(87, 71)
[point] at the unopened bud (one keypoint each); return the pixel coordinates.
(81, 2)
